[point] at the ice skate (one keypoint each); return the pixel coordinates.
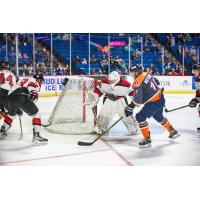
(146, 142)
(37, 139)
(173, 133)
(3, 133)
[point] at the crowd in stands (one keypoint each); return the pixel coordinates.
(101, 63)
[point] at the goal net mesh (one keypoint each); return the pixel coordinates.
(71, 114)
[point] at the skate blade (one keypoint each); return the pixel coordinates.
(144, 146)
(175, 136)
(37, 143)
(3, 137)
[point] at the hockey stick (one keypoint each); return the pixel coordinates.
(166, 110)
(99, 136)
(21, 131)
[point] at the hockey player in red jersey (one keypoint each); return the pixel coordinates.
(193, 103)
(147, 92)
(22, 96)
(115, 89)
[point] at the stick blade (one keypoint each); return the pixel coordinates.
(80, 143)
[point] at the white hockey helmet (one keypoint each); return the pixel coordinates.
(114, 78)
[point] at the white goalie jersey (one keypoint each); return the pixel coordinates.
(115, 102)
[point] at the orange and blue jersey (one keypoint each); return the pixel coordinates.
(146, 89)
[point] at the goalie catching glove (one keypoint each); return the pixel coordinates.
(193, 103)
(129, 109)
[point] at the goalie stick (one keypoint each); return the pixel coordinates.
(99, 136)
(166, 110)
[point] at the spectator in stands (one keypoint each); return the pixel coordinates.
(30, 70)
(59, 70)
(177, 68)
(180, 73)
(93, 60)
(186, 52)
(136, 55)
(193, 51)
(194, 60)
(172, 73)
(152, 68)
(126, 71)
(104, 64)
(117, 70)
(84, 61)
(156, 73)
(172, 41)
(92, 71)
(100, 72)
(168, 69)
(116, 61)
(23, 71)
(77, 60)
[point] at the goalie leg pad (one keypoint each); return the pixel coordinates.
(129, 122)
(106, 114)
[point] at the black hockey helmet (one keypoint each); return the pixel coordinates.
(196, 67)
(38, 77)
(3, 64)
(136, 68)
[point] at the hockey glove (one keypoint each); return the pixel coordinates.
(193, 103)
(18, 112)
(33, 97)
(65, 80)
(111, 97)
(129, 109)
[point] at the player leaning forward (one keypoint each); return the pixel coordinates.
(148, 93)
(115, 89)
(23, 96)
(193, 103)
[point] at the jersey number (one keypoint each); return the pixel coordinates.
(9, 79)
(153, 86)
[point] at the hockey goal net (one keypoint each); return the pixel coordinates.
(71, 114)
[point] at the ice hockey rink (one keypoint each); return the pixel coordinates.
(117, 149)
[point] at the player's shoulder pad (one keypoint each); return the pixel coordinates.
(105, 80)
(138, 81)
(123, 82)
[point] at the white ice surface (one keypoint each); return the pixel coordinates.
(115, 149)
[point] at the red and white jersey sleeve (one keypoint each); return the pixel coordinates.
(123, 88)
(197, 85)
(31, 84)
(7, 80)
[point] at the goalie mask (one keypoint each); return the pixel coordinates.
(113, 78)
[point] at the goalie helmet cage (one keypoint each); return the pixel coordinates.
(70, 114)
